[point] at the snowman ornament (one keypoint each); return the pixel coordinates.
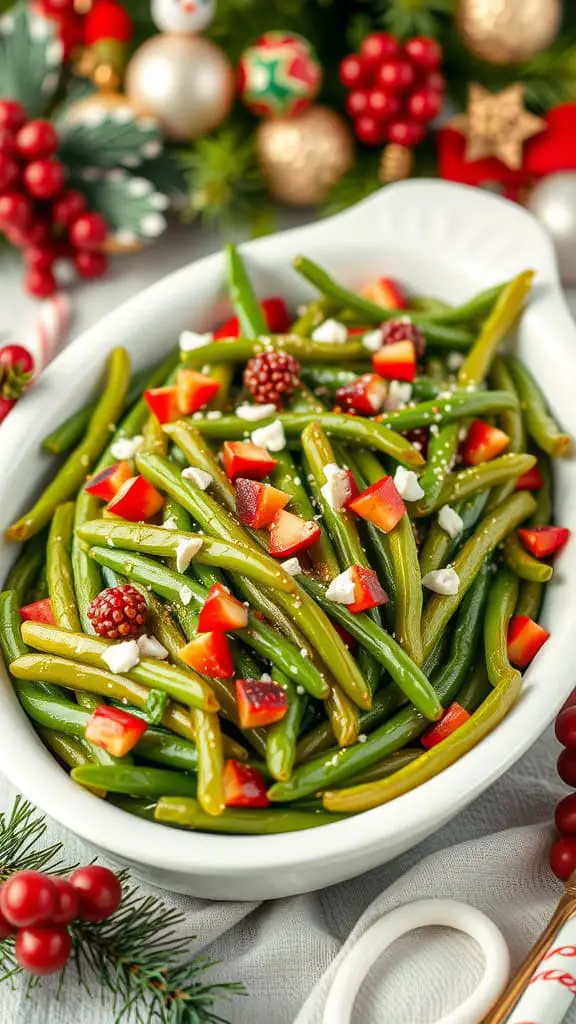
(187, 17)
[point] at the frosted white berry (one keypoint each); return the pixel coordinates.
(199, 477)
(450, 521)
(342, 590)
(122, 657)
(150, 647)
(271, 437)
(442, 581)
(253, 413)
(407, 484)
(331, 331)
(185, 553)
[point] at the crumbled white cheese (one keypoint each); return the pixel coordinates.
(150, 647)
(454, 360)
(122, 657)
(291, 566)
(442, 581)
(185, 553)
(331, 331)
(170, 523)
(450, 521)
(214, 414)
(337, 489)
(189, 340)
(399, 394)
(407, 484)
(185, 594)
(271, 437)
(126, 447)
(373, 340)
(252, 413)
(342, 590)
(200, 477)
(265, 677)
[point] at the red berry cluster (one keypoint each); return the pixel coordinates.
(395, 90)
(118, 613)
(37, 212)
(38, 908)
(563, 850)
(16, 369)
(404, 330)
(272, 376)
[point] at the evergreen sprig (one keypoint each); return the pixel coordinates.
(135, 959)
(224, 181)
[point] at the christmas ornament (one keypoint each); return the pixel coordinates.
(279, 75)
(395, 163)
(497, 124)
(186, 82)
(553, 202)
(107, 30)
(50, 330)
(395, 90)
(302, 157)
(505, 31)
(183, 16)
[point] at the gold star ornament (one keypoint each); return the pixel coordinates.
(497, 124)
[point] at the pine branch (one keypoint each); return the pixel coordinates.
(223, 177)
(415, 17)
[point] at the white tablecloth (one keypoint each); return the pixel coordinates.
(492, 856)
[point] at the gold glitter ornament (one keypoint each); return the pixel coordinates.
(497, 124)
(506, 31)
(303, 156)
(396, 163)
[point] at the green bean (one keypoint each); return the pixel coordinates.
(304, 400)
(504, 315)
(282, 736)
(474, 479)
(429, 306)
(352, 429)
(70, 477)
(442, 449)
(439, 547)
(286, 478)
(237, 351)
(367, 470)
(186, 813)
(21, 577)
(225, 691)
(524, 564)
(244, 301)
(71, 752)
(530, 599)
(542, 515)
(154, 438)
(500, 608)
(343, 716)
(314, 314)
(446, 409)
(135, 780)
(475, 689)
(510, 421)
(405, 673)
(476, 308)
(450, 677)
(304, 612)
(199, 454)
(408, 603)
(387, 766)
(327, 378)
(493, 529)
(210, 761)
(59, 569)
(539, 424)
(164, 748)
(385, 702)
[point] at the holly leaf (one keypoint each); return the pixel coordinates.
(30, 59)
(130, 204)
(94, 136)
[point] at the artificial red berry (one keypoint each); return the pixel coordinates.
(370, 130)
(566, 767)
(107, 20)
(570, 701)
(562, 858)
(565, 815)
(41, 258)
(37, 139)
(424, 104)
(40, 283)
(7, 142)
(43, 950)
(382, 104)
(57, 6)
(396, 74)
(357, 102)
(90, 264)
(435, 82)
(118, 612)
(403, 330)
(67, 207)
(354, 72)
(6, 929)
(12, 114)
(15, 210)
(88, 231)
(15, 357)
(379, 46)
(424, 52)
(271, 376)
(9, 172)
(6, 405)
(45, 178)
(99, 891)
(67, 902)
(565, 728)
(38, 234)
(28, 898)
(405, 133)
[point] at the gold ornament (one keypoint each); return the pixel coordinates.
(186, 82)
(303, 156)
(497, 124)
(396, 163)
(505, 31)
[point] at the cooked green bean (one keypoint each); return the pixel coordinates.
(540, 425)
(59, 569)
(474, 479)
(186, 813)
(439, 546)
(136, 780)
(23, 573)
(500, 608)
(504, 315)
(408, 597)
(510, 421)
(244, 301)
(210, 761)
(282, 736)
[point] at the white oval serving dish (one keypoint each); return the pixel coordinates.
(439, 239)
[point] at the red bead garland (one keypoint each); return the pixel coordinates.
(562, 855)
(395, 90)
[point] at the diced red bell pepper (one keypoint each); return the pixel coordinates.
(542, 541)
(275, 314)
(385, 292)
(163, 402)
(257, 503)
(242, 458)
(244, 786)
(483, 442)
(365, 395)
(115, 730)
(106, 484)
(396, 361)
(38, 611)
(347, 637)
(290, 533)
(194, 390)
(209, 654)
(368, 591)
(531, 480)
(452, 719)
(525, 638)
(221, 611)
(259, 703)
(380, 504)
(137, 500)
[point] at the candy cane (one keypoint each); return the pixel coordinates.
(51, 328)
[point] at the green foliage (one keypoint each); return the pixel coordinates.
(406, 18)
(30, 59)
(107, 138)
(130, 203)
(223, 179)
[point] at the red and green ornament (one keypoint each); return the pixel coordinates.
(279, 75)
